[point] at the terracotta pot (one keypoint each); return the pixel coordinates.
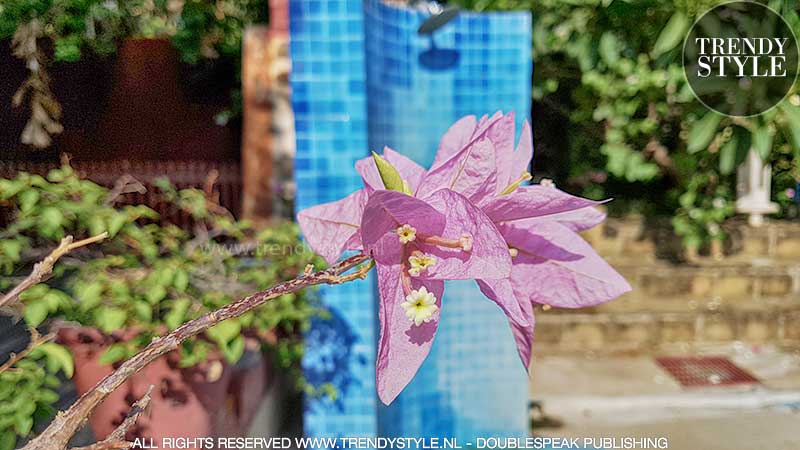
(208, 400)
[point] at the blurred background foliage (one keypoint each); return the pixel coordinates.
(198, 28)
(147, 278)
(612, 71)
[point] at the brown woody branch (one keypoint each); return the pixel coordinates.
(36, 340)
(67, 423)
(116, 440)
(43, 269)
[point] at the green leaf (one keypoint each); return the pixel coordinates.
(727, 157)
(52, 216)
(23, 423)
(57, 357)
(11, 248)
(224, 332)
(35, 312)
(734, 152)
(762, 142)
(390, 176)
(176, 315)
(96, 225)
(109, 318)
(8, 439)
(143, 310)
(115, 352)
(116, 223)
(28, 199)
(48, 396)
(703, 132)
(89, 295)
(233, 350)
(792, 114)
(671, 35)
(181, 281)
(609, 48)
(155, 294)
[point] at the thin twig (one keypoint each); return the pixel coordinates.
(126, 184)
(65, 424)
(36, 340)
(43, 269)
(116, 440)
(137, 410)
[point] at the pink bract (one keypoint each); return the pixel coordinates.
(473, 214)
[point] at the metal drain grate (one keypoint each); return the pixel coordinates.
(698, 371)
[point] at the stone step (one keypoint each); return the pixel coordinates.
(637, 239)
(670, 323)
(657, 281)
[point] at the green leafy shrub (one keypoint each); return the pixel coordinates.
(64, 30)
(198, 28)
(149, 277)
(28, 391)
(613, 69)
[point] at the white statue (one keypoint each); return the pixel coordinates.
(753, 184)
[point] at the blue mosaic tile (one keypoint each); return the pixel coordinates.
(330, 122)
(361, 81)
(472, 384)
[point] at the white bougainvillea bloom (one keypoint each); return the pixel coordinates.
(419, 262)
(406, 233)
(420, 306)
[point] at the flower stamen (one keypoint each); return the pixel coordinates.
(464, 242)
(420, 262)
(406, 233)
(526, 176)
(420, 306)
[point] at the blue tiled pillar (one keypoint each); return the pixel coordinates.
(472, 384)
(329, 101)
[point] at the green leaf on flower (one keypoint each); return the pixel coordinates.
(390, 176)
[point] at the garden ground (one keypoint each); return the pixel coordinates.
(620, 396)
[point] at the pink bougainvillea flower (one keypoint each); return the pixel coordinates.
(334, 228)
(552, 264)
(470, 216)
(417, 244)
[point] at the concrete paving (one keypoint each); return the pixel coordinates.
(631, 396)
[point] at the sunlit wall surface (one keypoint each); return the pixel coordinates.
(352, 57)
(472, 384)
(329, 100)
